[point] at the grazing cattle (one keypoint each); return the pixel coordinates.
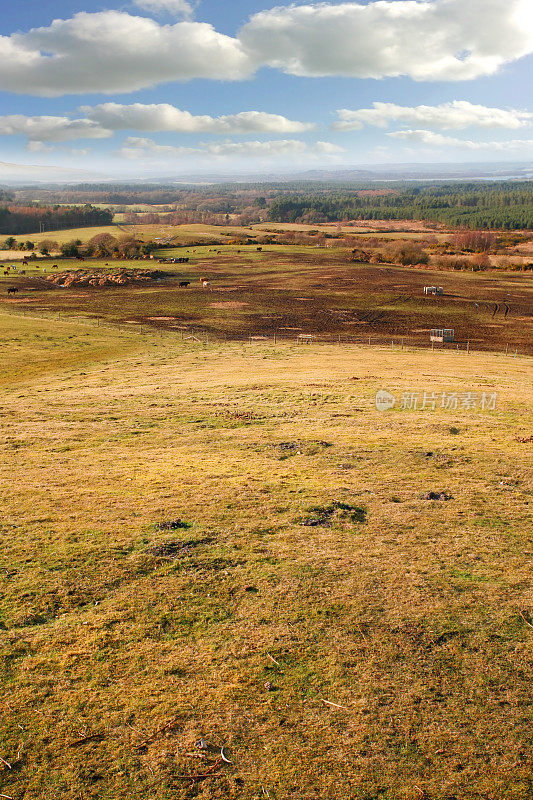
(206, 283)
(259, 249)
(22, 271)
(184, 283)
(12, 290)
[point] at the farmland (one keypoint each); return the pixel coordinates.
(220, 560)
(229, 545)
(287, 290)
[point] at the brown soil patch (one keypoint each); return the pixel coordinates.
(229, 304)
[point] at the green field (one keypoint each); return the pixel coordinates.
(336, 633)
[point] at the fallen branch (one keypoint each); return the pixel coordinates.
(273, 660)
(8, 765)
(525, 618)
(90, 738)
(157, 733)
(335, 705)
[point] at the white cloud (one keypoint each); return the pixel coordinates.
(438, 140)
(112, 51)
(447, 116)
(176, 7)
(51, 129)
(39, 147)
(165, 117)
(142, 148)
(438, 40)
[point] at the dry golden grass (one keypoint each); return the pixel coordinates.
(378, 652)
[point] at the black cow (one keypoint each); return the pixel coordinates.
(12, 290)
(184, 283)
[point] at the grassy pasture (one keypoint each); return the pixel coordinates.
(339, 635)
(141, 232)
(296, 289)
(194, 231)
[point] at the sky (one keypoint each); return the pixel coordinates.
(171, 87)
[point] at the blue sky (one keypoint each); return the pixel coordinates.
(170, 86)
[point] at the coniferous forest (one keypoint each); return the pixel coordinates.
(473, 205)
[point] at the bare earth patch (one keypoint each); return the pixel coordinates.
(229, 304)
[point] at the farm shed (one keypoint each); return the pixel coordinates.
(442, 335)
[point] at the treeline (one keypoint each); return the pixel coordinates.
(486, 205)
(17, 219)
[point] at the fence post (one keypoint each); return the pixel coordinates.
(515, 352)
(468, 347)
(506, 348)
(392, 345)
(275, 337)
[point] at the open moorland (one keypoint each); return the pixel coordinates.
(286, 290)
(224, 573)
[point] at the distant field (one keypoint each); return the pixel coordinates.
(336, 633)
(84, 234)
(386, 229)
(192, 231)
(291, 290)
(141, 232)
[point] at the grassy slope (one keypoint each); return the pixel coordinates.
(409, 617)
(192, 231)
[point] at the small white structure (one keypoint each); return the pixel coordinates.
(442, 335)
(433, 290)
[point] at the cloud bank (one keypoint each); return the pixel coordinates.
(165, 117)
(432, 139)
(142, 148)
(438, 40)
(447, 116)
(113, 51)
(52, 129)
(102, 122)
